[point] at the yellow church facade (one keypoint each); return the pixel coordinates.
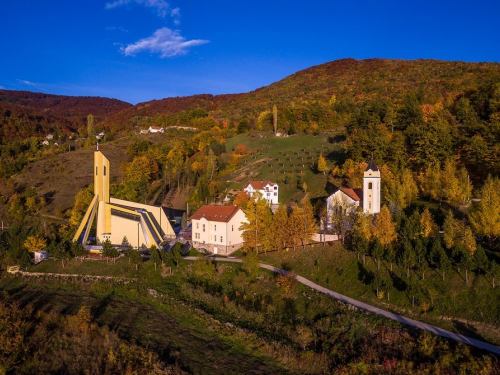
(141, 224)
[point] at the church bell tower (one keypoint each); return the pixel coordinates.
(371, 189)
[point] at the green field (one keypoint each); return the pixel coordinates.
(274, 157)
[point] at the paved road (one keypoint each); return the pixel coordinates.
(375, 310)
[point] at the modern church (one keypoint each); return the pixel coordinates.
(141, 224)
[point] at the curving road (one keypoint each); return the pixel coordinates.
(399, 318)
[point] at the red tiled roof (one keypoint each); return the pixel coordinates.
(155, 127)
(215, 213)
(355, 194)
(259, 185)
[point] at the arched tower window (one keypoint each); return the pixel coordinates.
(370, 186)
(96, 171)
(105, 170)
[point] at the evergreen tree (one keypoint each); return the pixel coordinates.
(155, 255)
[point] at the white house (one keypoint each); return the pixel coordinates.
(155, 129)
(217, 229)
(50, 137)
(268, 189)
(368, 198)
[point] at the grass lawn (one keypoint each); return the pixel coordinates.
(473, 309)
(296, 155)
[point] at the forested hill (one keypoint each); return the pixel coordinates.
(364, 79)
(24, 113)
(320, 93)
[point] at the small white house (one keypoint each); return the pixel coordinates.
(155, 129)
(269, 190)
(217, 229)
(45, 143)
(40, 255)
(144, 131)
(50, 137)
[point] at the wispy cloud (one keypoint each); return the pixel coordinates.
(116, 28)
(2, 88)
(32, 84)
(161, 6)
(176, 15)
(166, 42)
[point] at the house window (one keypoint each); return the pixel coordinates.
(369, 185)
(203, 227)
(370, 205)
(105, 170)
(220, 239)
(197, 225)
(275, 188)
(275, 194)
(232, 228)
(96, 171)
(215, 227)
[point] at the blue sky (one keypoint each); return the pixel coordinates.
(139, 50)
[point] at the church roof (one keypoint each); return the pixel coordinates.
(372, 166)
(354, 194)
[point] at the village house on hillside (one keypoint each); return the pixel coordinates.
(268, 189)
(217, 229)
(155, 129)
(368, 198)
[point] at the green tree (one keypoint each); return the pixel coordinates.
(155, 255)
(62, 251)
(184, 221)
(251, 264)
(173, 256)
(378, 252)
(481, 259)
(77, 250)
(108, 250)
(134, 257)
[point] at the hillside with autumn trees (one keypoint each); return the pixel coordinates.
(24, 114)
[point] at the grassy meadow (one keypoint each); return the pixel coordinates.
(275, 157)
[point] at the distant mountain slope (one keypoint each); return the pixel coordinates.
(366, 78)
(345, 78)
(24, 114)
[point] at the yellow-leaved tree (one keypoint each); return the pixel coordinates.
(82, 202)
(384, 229)
(35, 243)
(485, 217)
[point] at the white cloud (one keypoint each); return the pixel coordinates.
(161, 6)
(28, 83)
(2, 88)
(166, 42)
(176, 15)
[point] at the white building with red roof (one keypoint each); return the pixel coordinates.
(268, 189)
(217, 229)
(156, 129)
(350, 199)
